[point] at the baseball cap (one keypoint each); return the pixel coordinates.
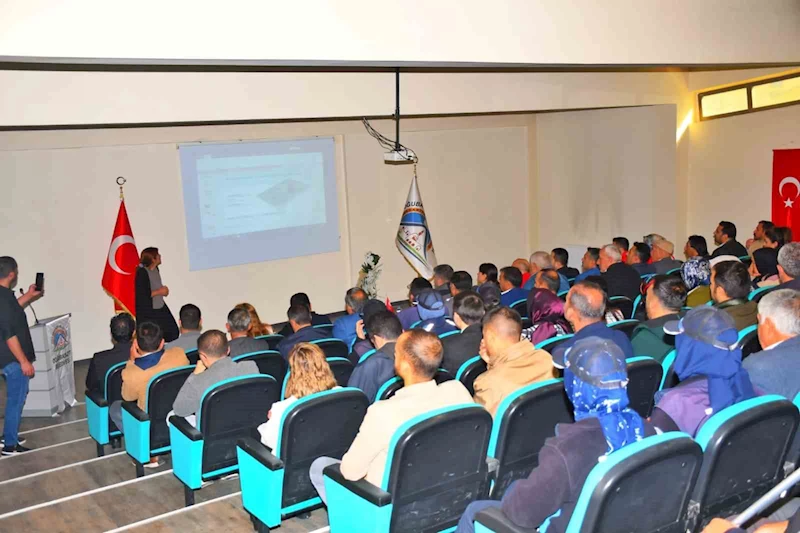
(430, 304)
(597, 362)
(490, 294)
(371, 307)
(708, 325)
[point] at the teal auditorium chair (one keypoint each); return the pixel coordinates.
(435, 467)
(745, 448)
(748, 341)
(269, 363)
(469, 371)
(193, 356)
(638, 307)
(551, 343)
(333, 347)
(523, 421)
(341, 367)
(645, 375)
(229, 411)
(391, 387)
(623, 303)
(272, 340)
(449, 334)
(366, 355)
(101, 428)
(673, 271)
(644, 487)
(563, 295)
(146, 432)
(521, 307)
(325, 327)
(626, 326)
(275, 483)
(759, 293)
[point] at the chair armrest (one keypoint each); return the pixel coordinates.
(260, 453)
(97, 398)
(361, 488)
(133, 409)
(494, 520)
(188, 430)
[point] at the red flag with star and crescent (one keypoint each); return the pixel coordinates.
(119, 276)
(786, 190)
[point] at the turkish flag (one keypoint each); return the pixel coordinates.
(786, 190)
(119, 276)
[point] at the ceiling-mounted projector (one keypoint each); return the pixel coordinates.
(400, 157)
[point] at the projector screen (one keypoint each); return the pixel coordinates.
(259, 201)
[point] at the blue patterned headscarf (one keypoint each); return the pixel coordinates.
(695, 272)
(602, 392)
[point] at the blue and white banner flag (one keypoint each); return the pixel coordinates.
(413, 236)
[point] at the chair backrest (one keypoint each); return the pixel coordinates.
(744, 448)
(436, 466)
(673, 271)
(521, 307)
(342, 369)
(469, 371)
(759, 293)
(333, 347)
(523, 421)
(646, 277)
(269, 362)
(193, 356)
(644, 378)
(229, 411)
(336, 414)
(669, 378)
(745, 259)
(450, 334)
(645, 487)
(393, 385)
(551, 343)
(626, 326)
(748, 341)
(563, 295)
(623, 303)
(113, 383)
(366, 356)
(637, 307)
(325, 327)
(272, 340)
(162, 389)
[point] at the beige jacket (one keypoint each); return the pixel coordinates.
(134, 379)
(520, 365)
(367, 454)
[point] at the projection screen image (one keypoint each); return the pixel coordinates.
(259, 201)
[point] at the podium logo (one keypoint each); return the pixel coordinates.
(60, 338)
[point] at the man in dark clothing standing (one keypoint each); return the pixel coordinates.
(468, 313)
(300, 319)
(622, 279)
(122, 329)
(725, 238)
(383, 328)
(16, 352)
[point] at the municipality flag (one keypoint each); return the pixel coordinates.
(413, 236)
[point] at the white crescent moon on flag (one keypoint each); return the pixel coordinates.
(789, 179)
(112, 252)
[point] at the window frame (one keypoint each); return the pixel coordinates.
(749, 88)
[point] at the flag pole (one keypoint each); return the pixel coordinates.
(121, 182)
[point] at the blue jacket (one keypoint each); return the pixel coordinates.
(599, 329)
(776, 371)
(408, 317)
(345, 328)
(437, 326)
(306, 334)
(513, 295)
(591, 272)
(562, 280)
(374, 372)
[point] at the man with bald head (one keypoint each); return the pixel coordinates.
(548, 280)
(418, 355)
(585, 310)
(540, 261)
(511, 363)
(524, 267)
(622, 279)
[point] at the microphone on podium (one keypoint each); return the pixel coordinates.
(31, 306)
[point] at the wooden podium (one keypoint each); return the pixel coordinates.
(53, 386)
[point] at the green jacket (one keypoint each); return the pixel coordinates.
(648, 338)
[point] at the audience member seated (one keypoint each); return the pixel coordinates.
(613, 313)
(776, 368)
(213, 366)
(789, 266)
(622, 279)
(764, 268)
(709, 367)
(541, 261)
(730, 285)
(589, 264)
(725, 239)
(585, 310)
(548, 279)
(442, 274)
(639, 259)
(775, 237)
(309, 373)
(487, 272)
(663, 261)
(363, 343)
(301, 298)
(468, 312)
(511, 363)
(595, 380)
(622, 245)
(345, 327)
(560, 258)
(300, 319)
(384, 328)
(257, 328)
(418, 355)
(546, 312)
(238, 327)
(146, 359)
(122, 327)
(666, 295)
(524, 267)
(460, 282)
(410, 316)
(758, 236)
(191, 326)
(490, 294)
(510, 281)
(432, 313)
(696, 271)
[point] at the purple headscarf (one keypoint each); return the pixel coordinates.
(546, 311)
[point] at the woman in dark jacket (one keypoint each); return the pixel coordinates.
(150, 293)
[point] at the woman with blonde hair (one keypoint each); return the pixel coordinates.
(257, 328)
(309, 373)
